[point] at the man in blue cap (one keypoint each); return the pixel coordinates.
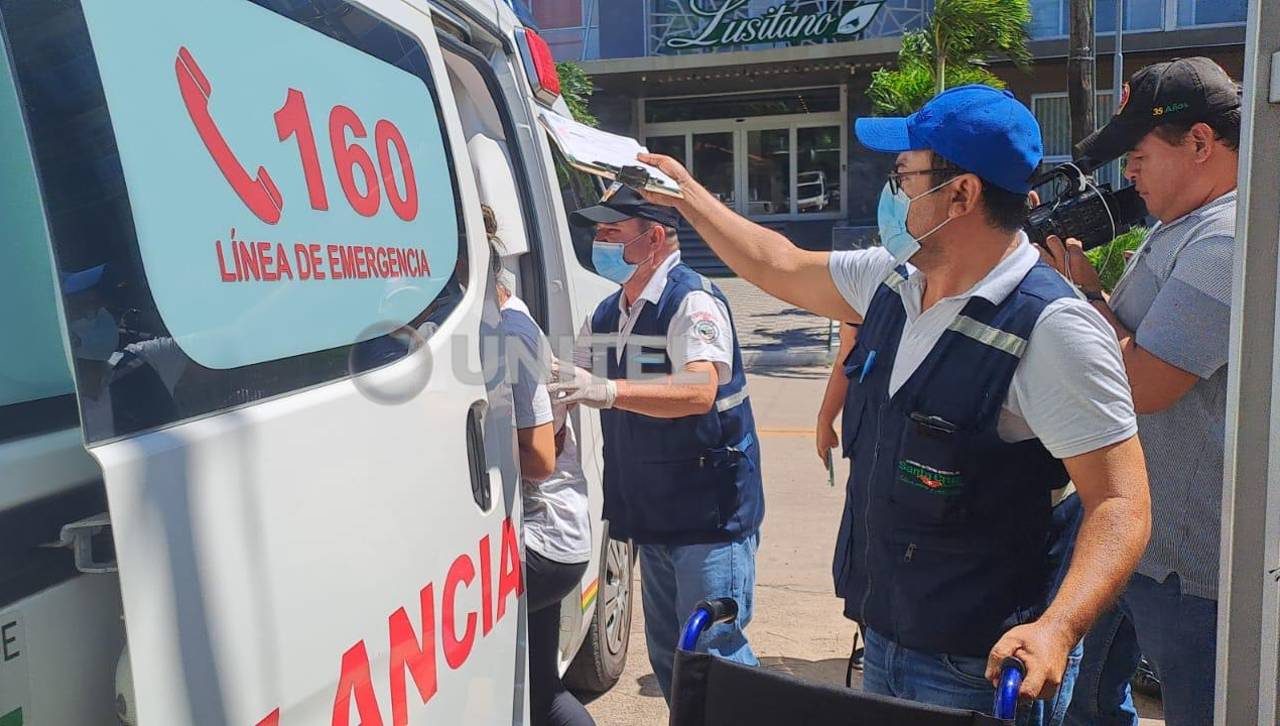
(979, 384)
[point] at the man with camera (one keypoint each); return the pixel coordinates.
(979, 382)
(1180, 126)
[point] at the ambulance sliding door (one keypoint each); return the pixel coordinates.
(285, 389)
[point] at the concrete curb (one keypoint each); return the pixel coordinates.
(752, 359)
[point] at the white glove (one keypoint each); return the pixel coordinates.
(577, 385)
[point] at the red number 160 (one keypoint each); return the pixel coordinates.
(293, 120)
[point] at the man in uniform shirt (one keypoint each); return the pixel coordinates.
(978, 383)
(681, 459)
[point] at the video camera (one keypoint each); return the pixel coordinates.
(1090, 212)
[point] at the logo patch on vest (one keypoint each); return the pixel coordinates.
(929, 478)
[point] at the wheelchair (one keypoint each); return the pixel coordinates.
(710, 691)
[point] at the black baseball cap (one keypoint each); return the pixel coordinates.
(1183, 90)
(620, 203)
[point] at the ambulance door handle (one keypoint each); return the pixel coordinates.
(481, 490)
(85, 538)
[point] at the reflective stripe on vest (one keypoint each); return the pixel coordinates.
(728, 402)
(987, 335)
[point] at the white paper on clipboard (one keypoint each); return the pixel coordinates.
(602, 153)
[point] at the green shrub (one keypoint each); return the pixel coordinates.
(1109, 259)
(576, 87)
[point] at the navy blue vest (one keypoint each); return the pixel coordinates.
(688, 480)
(946, 535)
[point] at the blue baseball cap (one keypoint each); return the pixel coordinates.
(978, 128)
(86, 279)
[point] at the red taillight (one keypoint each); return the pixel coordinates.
(540, 66)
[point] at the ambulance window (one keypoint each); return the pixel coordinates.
(578, 189)
(501, 174)
(36, 389)
(262, 222)
(35, 383)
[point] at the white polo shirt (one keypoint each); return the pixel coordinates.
(1069, 390)
(699, 331)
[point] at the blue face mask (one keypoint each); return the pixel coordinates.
(609, 260)
(891, 217)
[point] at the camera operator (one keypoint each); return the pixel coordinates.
(1180, 125)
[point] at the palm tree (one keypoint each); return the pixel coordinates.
(952, 51)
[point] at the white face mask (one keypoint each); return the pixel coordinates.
(891, 216)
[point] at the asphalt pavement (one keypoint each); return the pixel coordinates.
(798, 627)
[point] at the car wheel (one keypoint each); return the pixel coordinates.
(603, 654)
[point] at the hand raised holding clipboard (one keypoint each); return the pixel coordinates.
(606, 155)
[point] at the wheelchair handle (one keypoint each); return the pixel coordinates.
(706, 614)
(1012, 671)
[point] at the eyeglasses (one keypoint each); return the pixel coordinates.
(895, 178)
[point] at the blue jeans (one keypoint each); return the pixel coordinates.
(1111, 657)
(673, 578)
(1178, 634)
(957, 681)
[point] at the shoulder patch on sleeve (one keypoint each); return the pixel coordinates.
(705, 327)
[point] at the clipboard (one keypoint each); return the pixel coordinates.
(606, 155)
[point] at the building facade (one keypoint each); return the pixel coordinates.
(757, 97)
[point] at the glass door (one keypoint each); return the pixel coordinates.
(769, 156)
(819, 159)
(768, 170)
(713, 165)
(784, 167)
(673, 146)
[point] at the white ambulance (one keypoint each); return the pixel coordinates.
(257, 463)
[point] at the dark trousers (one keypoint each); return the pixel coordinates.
(548, 582)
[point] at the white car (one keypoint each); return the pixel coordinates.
(257, 462)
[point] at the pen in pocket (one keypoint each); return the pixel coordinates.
(866, 366)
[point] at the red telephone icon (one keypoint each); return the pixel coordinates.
(258, 193)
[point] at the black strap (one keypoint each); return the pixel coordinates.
(855, 657)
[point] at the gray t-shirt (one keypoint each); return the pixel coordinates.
(1176, 296)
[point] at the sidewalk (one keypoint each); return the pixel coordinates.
(772, 333)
